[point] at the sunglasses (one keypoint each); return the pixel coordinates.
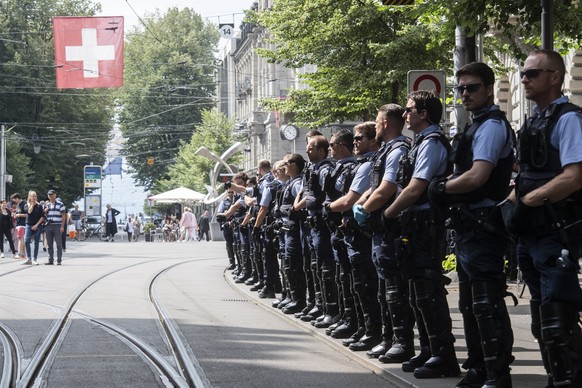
(358, 138)
(470, 88)
(534, 73)
(334, 144)
(408, 110)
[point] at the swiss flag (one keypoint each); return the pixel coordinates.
(88, 51)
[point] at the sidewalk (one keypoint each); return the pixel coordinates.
(527, 369)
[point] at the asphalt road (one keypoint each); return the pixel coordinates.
(231, 338)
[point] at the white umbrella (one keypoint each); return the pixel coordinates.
(181, 194)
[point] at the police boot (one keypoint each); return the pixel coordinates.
(370, 340)
(296, 305)
(230, 254)
(316, 311)
(349, 326)
(402, 322)
(331, 316)
(308, 307)
(432, 303)
(495, 332)
(387, 339)
(563, 339)
(276, 302)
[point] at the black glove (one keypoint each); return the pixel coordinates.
(437, 195)
(257, 233)
(227, 185)
(388, 224)
(220, 218)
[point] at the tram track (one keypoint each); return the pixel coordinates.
(187, 373)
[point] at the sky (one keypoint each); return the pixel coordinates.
(118, 190)
(223, 11)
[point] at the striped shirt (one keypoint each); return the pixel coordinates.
(54, 212)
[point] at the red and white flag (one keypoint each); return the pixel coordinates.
(88, 51)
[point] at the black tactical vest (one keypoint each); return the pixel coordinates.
(331, 179)
(497, 186)
(313, 187)
(539, 161)
(408, 162)
(379, 161)
(287, 197)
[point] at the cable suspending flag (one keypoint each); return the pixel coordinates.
(88, 51)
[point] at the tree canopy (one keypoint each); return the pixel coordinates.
(363, 50)
(169, 80)
(63, 123)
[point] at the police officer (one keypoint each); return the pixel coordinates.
(394, 346)
(293, 250)
(357, 239)
(240, 231)
(483, 166)
(546, 205)
(225, 204)
(312, 199)
(425, 232)
(268, 187)
(341, 149)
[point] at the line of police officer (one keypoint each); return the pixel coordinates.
(360, 235)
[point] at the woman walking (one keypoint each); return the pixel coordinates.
(6, 226)
(111, 223)
(35, 218)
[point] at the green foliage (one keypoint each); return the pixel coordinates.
(148, 227)
(515, 23)
(67, 122)
(362, 51)
(169, 80)
(191, 170)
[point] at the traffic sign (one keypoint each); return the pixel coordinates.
(432, 80)
(226, 30)
(92, 176)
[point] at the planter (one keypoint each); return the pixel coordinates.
(148, 237)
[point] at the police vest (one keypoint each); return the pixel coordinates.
(539, 161)
(341, 169)
(313, 187)
(273, 188)
(497, 186)
(379, 161)
(408, 162)
(240, 212)
(287, 197)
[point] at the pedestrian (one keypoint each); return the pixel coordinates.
(397, 346)
(204, 226)
(56, 221)
(545, 213)
(136, 229)
(6, 227)
(110, 223)
(187, 223)
(129, 229)
(76, 216)
(65, 233)
(35, 217)
(20, 217)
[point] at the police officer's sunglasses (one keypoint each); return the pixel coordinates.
(534, 73)
(470, 88)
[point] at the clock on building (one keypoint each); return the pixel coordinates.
(289, 132)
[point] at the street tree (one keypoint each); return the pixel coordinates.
(169, 80)
(191, 170)
(362, 52)
(57, 123)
